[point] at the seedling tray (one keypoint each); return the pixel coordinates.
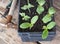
(31, 35)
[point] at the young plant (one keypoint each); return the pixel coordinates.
(51, 11)
(29, 25)
(41, 2)
(40, 7)
(25, 7)
(24, 16)
(46, 28)
(48, 17)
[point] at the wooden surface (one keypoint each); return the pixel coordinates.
(10, 35)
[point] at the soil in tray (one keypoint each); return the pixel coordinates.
(39, 24)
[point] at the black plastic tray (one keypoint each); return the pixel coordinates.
(36, 36)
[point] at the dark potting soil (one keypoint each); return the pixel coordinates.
(39, 24)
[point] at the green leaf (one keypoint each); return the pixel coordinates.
(39, 10)
(41, 2)
(22, 14)
(34, 19)
(26, 17)
(51, 25)
(30, 5)
(51, 10)
(46, 19)
(45, 34)
(25, 25)
(25, 7)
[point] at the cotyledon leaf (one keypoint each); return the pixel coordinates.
(34, 19)
(39, 9)
(51, 25)
(30, 5)
(46, 19)
(45, 34)
(26, 17)
(25, 25)
(51, 10)
(41, 2)
(22, 14)
(25, 7)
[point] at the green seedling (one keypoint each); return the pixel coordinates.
(41, 2)
(51, 10)
(25, 25)
(46, 28)
(24, 16)
(29, 25)
(48, 17)
(25, 7)
(40, 7)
